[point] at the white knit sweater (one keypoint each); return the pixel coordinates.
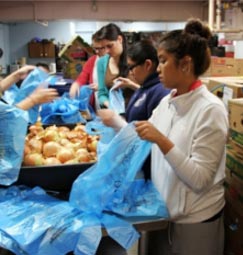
(190, 177)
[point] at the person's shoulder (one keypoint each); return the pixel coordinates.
(93, 58)
(161, 90)
(104, 58)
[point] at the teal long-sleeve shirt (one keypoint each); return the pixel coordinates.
(103, 92)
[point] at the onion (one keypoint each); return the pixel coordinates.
(93, 156)
(50, 135)
(72, 161)
(92, 145)
(52, 127)
(33, 159)
(79, 127)
(51, 148)
(36, 128)
(65, 154)
(52, 161)
(35, 145)
(80, 144)
(64, 141)
(72, 135)
(63, 129)
(27, 149)
(83, 155)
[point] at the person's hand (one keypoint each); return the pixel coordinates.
(147, 131)
(43, 95)
(94, 86)
(111, 119)
(106, 104)
(22, 72)
(122, 82)
(74, 90)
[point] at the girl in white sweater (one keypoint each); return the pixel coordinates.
(189, 132)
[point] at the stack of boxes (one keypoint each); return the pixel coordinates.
(221, 67)
(234, 180)
(224, 78)
(75, 54)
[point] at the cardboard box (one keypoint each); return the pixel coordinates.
(76, 50)
(236, 148)
(235, 107)
(226, 88)
(223, 66)
(236, 137)
(234, 163)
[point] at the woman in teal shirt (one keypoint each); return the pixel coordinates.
(112, 65)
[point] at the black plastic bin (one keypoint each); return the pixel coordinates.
(56, 178)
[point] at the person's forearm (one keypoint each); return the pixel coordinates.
(134, 86)
(9, 81)
(164, 144)
(27, 103)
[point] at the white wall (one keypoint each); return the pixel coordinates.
(63, 31)
(4, 45)
(22, 33)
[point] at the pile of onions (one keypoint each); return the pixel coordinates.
(56, 145)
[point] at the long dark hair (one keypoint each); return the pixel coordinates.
(193, 41)
(111, 32)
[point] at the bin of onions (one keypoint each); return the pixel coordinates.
(55, 155)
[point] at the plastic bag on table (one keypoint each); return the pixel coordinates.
(13, 129)
(105, 185)
(61, 110)
(32, 222)
(68, 110)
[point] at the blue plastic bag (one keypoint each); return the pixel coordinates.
(106, 134)
(67, 110)
(13, 129)
(107, 186)
(32, 222)
(61, 110)
(116, 100)
(14, 94)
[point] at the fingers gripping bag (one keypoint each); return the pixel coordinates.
(105, 188)
(13, 128)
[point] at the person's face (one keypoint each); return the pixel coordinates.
(114, 48)
(168, 69)
(99, 48)
(138, 71)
